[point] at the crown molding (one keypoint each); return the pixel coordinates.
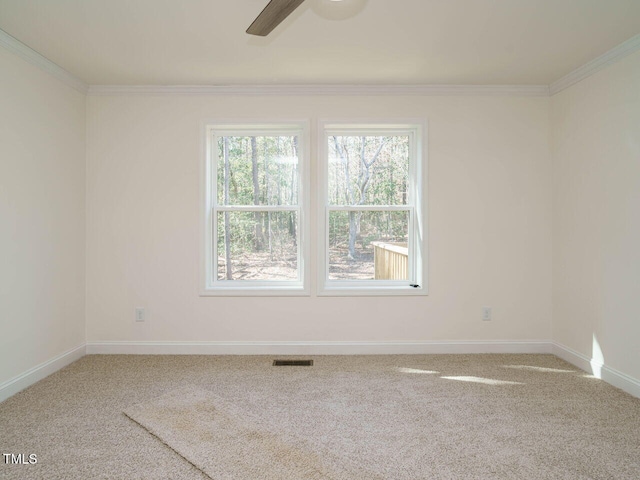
(617, 53)
(352, 90)
(30, 55)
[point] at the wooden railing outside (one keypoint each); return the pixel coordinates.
(391, 261)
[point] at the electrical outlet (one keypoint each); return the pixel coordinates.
(140, 315)
(486, 313)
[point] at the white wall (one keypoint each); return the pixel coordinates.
(42, 217)
(596, 221)
(490, 220)
(489, 223)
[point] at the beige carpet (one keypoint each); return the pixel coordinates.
(389, 417)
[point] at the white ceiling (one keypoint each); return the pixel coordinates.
(388, 42)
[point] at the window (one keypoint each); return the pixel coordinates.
(371, 210)
(256, 227)
(370, 222)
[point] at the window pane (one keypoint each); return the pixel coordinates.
(260, 170)
(257, 246)
(368, 245)
(368, 170)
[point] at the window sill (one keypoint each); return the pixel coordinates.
(253, 291)
(373, 291)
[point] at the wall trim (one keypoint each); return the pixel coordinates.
(316, 348)
(352, 90)
(626, 48)
(37, 373)
(610, 375)
(617, 53)
(30, 55)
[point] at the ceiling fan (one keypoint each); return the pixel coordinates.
(272, 15)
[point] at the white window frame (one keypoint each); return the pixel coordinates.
(210, 285)
(417, 207)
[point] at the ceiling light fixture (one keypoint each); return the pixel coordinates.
(337, 9)
(277, 10)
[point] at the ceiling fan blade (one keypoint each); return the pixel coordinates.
(274, 13)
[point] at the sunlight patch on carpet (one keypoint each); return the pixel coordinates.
(486, 381)
(416, 370)
(532, 368)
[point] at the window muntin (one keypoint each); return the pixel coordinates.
(371, 200)
(256, 240)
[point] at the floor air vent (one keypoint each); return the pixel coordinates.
(293, 363)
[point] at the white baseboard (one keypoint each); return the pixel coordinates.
(609, 375)
(37, 373)
(614, 377)
(316, 348)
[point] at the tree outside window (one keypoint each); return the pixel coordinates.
(370, 220)
(371, 200)
(254, 211)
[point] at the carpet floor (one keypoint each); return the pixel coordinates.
(346, 418)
